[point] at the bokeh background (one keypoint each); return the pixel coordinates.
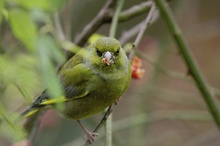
(164, 108)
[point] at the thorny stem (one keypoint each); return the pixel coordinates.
(189, 60)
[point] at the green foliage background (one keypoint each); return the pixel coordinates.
(163, 108)
(28, 59)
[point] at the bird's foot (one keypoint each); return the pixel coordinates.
(117, 101)
(90, 136)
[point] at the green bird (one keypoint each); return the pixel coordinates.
(93, 79)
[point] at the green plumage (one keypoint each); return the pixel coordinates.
(93, 79)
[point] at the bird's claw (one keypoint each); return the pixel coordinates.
(90, 136)
(117, 101)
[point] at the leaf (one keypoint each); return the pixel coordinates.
(23, 27)
(40, 16)
(49, 52)
(20, 72)
(7, 127)
(49, 5)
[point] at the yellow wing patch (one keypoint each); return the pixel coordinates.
(54, 101)
(22, 117)
(31, 113)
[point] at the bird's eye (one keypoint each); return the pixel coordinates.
(98, 52)
(117, 52)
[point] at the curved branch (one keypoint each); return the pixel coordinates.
(189, 60)
(135, 11)
(105, 16)
(93, 26)
(142, 30)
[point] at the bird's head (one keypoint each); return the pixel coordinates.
(107, 50)
(107, 55)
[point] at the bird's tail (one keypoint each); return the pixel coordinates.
(28, 112)
(39, 103)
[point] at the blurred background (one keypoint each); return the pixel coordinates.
(164, 108)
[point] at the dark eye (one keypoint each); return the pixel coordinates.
(117, 52)
(98, 52)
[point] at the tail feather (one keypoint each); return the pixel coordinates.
(34, 107)
(28, 112)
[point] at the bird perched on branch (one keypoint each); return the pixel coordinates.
(92, 80)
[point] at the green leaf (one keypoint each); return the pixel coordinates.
(50, 5)
(20, 72)
(48, 53)
(40, 16)
(7, 127)
(23, 27)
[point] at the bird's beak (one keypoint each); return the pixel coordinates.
(108, 58)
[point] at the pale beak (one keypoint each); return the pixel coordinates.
(108, 58)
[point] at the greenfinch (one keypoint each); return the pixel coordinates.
(92, 80)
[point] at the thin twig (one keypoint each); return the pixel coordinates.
(105, 16)
(94, 24)
(162, 69)
(35, 127)
(58, 26)
(144, 119)
(67, 22)
(126, 35)
(135, 11)
(102, 122)
(116, 18)
(173, 74)
(189, 60)
(23, 92)
(142, 30)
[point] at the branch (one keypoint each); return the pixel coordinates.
(105, 16)
(93, 26)
(58, 27)
(126, 35)
(116, 18)
(173, 74)
(189, 60)
(142, 30)
(162, 69)
(102, 122)
(135, 11)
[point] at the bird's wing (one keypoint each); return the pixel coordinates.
(74, 76)
(75, 80)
